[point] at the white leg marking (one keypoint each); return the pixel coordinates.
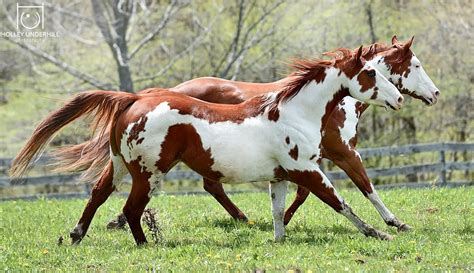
(78, 229)
(278, 196)
(386, 214)
(154, 181)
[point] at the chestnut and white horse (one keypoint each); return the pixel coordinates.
(396, 62)
(272, 137)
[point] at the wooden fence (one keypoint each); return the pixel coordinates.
(442, 167)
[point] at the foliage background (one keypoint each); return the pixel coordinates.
(167, 42)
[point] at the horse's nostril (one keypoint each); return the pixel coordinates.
(437, 93)
(400, 99)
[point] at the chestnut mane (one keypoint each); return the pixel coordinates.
(306, 71)
(370, 51)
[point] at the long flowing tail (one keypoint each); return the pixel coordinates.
(89, 157)
(104, 106)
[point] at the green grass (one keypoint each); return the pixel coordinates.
(200, 236)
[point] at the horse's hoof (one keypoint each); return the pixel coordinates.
(404, 228)
(141, 243)
(118, 223)
(242, 218)
(385, 236)
(279, 240)
(372, 232)
(76, 235)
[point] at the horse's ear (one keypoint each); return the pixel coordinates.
(408, 44)
(359, 55)
(394, 39)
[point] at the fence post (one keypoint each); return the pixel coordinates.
(442, 160)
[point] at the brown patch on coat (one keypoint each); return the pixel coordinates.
(398, 57)
(210, 112)
(137, 128)
(274, 114)
(365, 81)
(360, 108)
(331, 106)
(294, 152)
(374, 95)
(183, 143)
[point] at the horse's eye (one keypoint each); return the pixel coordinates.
(371, 73)
(417, 66)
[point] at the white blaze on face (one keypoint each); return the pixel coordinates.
(418, 81)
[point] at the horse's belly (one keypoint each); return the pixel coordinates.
(243, 170)
(240, 157)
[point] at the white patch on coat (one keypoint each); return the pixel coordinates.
(120, 170)
(349, 128)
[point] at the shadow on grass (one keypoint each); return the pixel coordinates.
(228, 224)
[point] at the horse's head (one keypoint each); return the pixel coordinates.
(400, 65)
(367, 84)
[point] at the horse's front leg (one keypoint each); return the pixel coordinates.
(217, 191)
(317, 182)
(278, 195)
(349, 161)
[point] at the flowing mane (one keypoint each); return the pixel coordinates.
(402, 54)
(304, 72)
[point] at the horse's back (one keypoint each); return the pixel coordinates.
(218, 90)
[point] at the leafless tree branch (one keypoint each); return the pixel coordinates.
(64, 66)
(170, 11)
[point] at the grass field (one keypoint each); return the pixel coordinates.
(200, 236)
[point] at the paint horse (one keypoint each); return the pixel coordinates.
(396, 62)
(272, 137)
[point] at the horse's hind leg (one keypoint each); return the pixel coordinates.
(278, 195)
(217, 191)
(301, 195)
(100, 192)
(317, 182)
(143, 184)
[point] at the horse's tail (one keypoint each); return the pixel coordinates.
(104, 106)
(91, 156)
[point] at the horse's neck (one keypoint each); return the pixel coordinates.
(316, 101)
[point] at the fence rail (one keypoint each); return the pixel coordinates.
(441, 167)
